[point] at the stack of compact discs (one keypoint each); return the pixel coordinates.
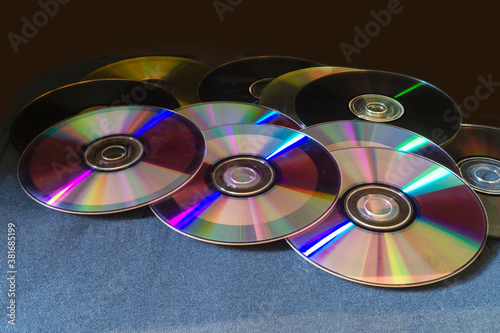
(400, 193)
(476, 151)
(83, 154)
(345, 164)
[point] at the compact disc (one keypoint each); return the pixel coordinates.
(280, 93)
(244, 79)
(258, 183)
(111, 160)
(64, 102)
(179, 76)
(350, 134)
(402, 220)
(380, 97)
(476, 150)
(212, 114)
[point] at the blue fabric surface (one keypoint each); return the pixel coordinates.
(128, 272)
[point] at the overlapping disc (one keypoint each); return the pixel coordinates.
(476, 150)
(280, 93)
(258, 183)
(179, 76)
(350, 134)
(380, 96)
(402, 220)
(242, 80)
(69, 100)
(111, 160)
(212, 114)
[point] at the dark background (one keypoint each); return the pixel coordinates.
(449, 44)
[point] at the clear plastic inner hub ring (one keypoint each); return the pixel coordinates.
(113, 153)
(243, 176)
(378, 207)
(374, 107)
(481, 173)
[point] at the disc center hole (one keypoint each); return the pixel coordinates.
(376, 206)
(481, 173)
(258, 86)
(241, 176)
(487, 174)
(114, 152)
(376, 107)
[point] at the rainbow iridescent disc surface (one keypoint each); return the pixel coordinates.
(350, 134)
(179, 76)
(280, 93)
(111, 159)
(212, 114)
(481, 142)
(446, 233)
(304, 190)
